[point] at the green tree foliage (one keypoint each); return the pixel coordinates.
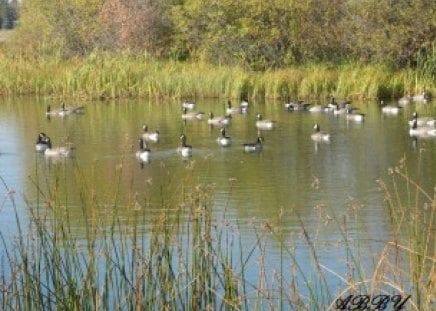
(397, 31)
(256, 34)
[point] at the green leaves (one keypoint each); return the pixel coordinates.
(254, 34)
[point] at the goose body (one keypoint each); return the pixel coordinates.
(150, 136)
(391, 109)
(404, 101)
(191, 115)
(254, 147)
(218, 120)
(264, 124)
(188, 105)
(143, 154)
(184, 150)
(223, 139)
(422, 131)
(318, 135)
(244, 103)
(64, 111)
(354, 116)
(422, 121)
(50, 112)
(320, 108)
(56, 152)
(420, 98)
(236, 110)
(296, 106)
(338, 110)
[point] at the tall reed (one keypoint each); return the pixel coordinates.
(101, 75)
(193, 258)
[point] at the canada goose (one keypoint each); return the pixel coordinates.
(421, 121)
(218, 120)
(150, 136)
(354, 116)
(318, 135)
(264, 124)
(232, 110)
(404, 101)
(390, 109)
(297, 106)
(184, 149)
(254, 147)
(338, 110)
(320, 108)
(188, 104)
(64, 111)
(224, 140)
(341, 103)
(422, 131)
(420, 98)
(56, 152)
(50, 112)
(143, 153)
(191, 115)
(244, 103)
(41, 142)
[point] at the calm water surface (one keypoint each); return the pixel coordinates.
(292, 173)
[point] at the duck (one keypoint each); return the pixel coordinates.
(422, 131)
(143, 153)
(223, 139)
(218, 120)
(390, 109)
(422, 121)
(264, 124)
(41, 142)
(150, 136)
(56, 152)
(191, 115)
(254, 147)
(318, 135)
(184, 150)
(190, 105)
(354, 116)
(233, 110)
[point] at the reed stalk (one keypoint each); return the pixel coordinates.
(192, 258)
(102, 75)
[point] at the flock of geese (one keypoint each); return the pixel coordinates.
(419, 126)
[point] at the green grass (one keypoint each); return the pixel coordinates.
(192, 258)
(104, 76)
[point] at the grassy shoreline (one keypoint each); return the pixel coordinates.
(126, 75)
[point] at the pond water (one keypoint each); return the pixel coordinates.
(292, 175)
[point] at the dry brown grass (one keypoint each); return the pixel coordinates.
(5, 34)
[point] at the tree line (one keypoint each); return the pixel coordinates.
(255, 34)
